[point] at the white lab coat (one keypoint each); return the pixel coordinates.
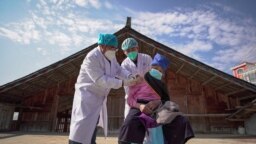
(143, 66)
(96, 78)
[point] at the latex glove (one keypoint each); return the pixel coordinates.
(129, 82)
(131, 76)
(139, 79)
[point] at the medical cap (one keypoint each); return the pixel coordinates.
(129, 43)
(161, 61)
(108, 39)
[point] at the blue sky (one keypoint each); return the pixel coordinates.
(35, 34)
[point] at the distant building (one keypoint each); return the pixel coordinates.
(246, 71)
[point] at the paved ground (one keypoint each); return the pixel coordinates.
(53, 138)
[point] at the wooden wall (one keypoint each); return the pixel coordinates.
(50, 109)
(37, 114)
(115, 106)
(203, 104)
(6, 116)
(46, 110)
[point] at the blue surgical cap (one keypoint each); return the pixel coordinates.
(129, 43)
(108, 39)
(161, 61)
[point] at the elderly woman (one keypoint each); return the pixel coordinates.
(144, 98)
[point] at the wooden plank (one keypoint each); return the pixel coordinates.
(247, 97)
(75, 66)
(222, 86)
(180, 68)
(235, 92)
(250, 109)
(207, 115)
(209, 80)
(65, 76)
(29, 107)
(194, 74)
(236, 120)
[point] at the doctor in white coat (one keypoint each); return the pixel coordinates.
(136, 63)
(98, 74)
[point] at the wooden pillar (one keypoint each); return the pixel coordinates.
(66, 122)
(45, 96)
(54, 109)
(206, 119)
(228, 103)
(188, 92)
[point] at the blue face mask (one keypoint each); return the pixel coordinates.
(156, 74)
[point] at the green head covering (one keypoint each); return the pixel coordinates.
(108, 39)
(129, 43)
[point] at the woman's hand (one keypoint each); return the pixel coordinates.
(153, 104)
(145, 109)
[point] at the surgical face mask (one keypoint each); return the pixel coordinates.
(156, 74)
(110, 54)
(132, 55)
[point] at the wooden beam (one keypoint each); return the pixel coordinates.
(194, 74)
(50, 79)
(228, 103)
(241, 109)
(235, 92)
(75, 66)
(7, 88)
(247, 97)
(209, 80)
(203, 108)
(154, 51)
(207, 115)
(10, 98)
(29, 107)
(62, 73)
(235, 120)
(250, 109)
(180, 68)
(222, 86)
(37, 85)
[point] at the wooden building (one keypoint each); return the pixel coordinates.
(214, 101)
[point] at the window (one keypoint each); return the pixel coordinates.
(15, 116)
(239, 71)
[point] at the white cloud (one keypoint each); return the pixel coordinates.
(21, 32)
(192, 32)
(60, 39)
(237, 54)
(191, 48)
(229, 39)
(81, 3)
(86, 3)
(10, 34)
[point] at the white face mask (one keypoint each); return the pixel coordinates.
(110, 54)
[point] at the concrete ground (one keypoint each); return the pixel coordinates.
(53, 138)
